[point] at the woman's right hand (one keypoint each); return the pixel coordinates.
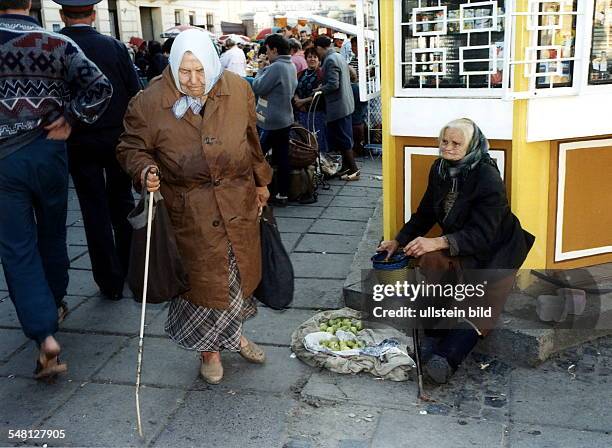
(389, 246)
(152, 180)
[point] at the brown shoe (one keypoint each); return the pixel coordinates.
(212, 372)
(253, 353)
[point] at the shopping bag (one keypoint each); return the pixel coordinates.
(167, 275)
(277, 281)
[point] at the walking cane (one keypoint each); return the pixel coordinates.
(143, 309)
(417, 359)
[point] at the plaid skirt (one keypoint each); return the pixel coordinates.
(209, 330)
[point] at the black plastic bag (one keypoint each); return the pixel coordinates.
(277, 283)
(167, 275)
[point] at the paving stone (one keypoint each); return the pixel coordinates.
(81, 283)
(335, 227)
(164, 364)
(578, 403)
(321, 265)
(26, 401)
(275, 327)
(322, 201)
(396, 428)
(74, 218)
(105, 415)
(361, 389)
(155, 326)
(294, 225)
(75, 252)
(3, 286)
(318, 293)
(225, 420)
(289, 240)
(297, 211)
(338, 244)
(360, 192)
(11, 341)
(83, 353)
(368, 180)
(8, 315)
(348, 213)
(352, 201)
(339, 426)
(76, 236)
(82, 262)
(528, 436)
(122, 316)
(239, 374)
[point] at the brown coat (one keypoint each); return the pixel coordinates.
(209, 169)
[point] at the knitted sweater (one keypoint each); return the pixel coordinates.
(43, 75)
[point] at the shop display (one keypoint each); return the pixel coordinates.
(452, 43)
(600, 71)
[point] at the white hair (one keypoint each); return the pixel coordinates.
(463, 125)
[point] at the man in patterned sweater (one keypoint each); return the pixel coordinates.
(46, 83)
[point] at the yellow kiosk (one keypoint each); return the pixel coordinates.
(535, 76)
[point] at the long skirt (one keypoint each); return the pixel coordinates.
(209, 330)
(319, 125)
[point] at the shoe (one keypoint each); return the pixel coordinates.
(48, 364)
(280, 201)
(438, 369)
(253, 353)
(211, 372)
(342, 171)
(352, 176)
(62, 312)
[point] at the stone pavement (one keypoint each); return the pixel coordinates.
(285, 403)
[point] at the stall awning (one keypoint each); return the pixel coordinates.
(334, 24)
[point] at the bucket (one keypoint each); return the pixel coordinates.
(395, 269)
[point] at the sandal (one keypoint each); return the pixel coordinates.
(62, 312)
(351, 177)
(211, 372)
(253, 353)
(50, 369)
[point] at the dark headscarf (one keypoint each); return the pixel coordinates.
(478, 151)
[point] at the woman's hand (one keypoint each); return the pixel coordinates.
(263, 194)
(421, 245)
(60, 129)
(152, 180)
(389, 246)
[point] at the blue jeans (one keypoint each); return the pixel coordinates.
(33, 200)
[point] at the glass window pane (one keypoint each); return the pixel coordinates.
(456, 27)
(600, 71)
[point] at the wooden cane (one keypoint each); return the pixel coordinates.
(143, 311)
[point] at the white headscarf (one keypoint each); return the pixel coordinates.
(198, 43)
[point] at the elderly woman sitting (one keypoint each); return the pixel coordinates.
(213, 179)
(466, 197)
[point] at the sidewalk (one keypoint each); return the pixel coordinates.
(285, 403)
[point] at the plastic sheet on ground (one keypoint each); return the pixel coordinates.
(385, 355)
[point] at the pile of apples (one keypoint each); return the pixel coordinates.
(349, 325)
(336, 345)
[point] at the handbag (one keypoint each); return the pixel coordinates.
(277, 280)
(167, 275)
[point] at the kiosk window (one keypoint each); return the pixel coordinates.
(600, 67)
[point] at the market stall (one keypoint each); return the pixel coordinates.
(534, 74)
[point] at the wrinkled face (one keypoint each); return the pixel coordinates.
(453, 145)
(313, 61)
(191, 76)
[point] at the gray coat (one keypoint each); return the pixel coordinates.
(275, 86)
(339, 101)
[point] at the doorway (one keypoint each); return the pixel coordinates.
(151, 23)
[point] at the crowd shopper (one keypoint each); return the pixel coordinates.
(221, 250)
(308, 81)
(358, 118)
(34, 168)
(103, 188)
(275, 86)
(234, 59)
(297, 55)
(339, 106)
(157, 61)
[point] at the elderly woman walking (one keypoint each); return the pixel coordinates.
(214, 178)
(481, 238)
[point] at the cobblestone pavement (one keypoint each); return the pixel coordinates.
(565, 402)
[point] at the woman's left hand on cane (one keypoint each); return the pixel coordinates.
(263, 194)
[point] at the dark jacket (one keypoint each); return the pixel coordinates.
(113, 59)
(336, 88)
(483, 229)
